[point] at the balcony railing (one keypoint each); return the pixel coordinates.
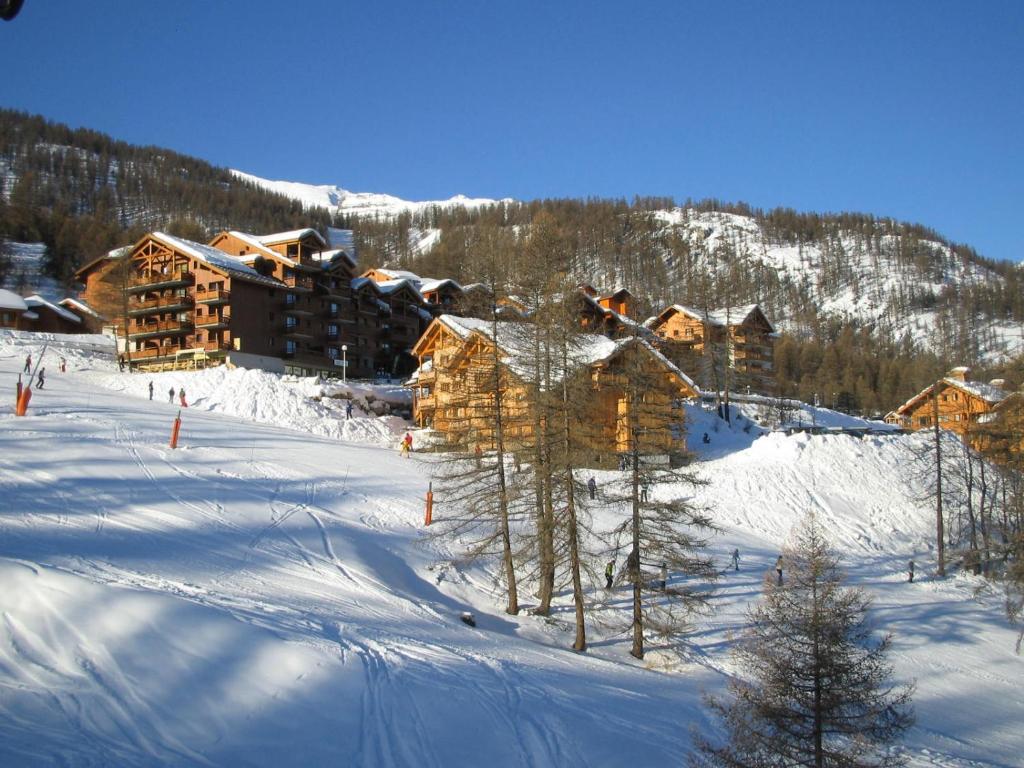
(151, 352)
(162, 328)
(299, 282)
(212, 320)
(160, 304)
(214, 296)
(142, 283)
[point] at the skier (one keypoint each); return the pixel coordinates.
(170, 395)
(736, 559)
(592, 487)
(28, 363)
(181, 397)
(609, 573)
(406, 445)
(63, 365)
(664, 576)
(39, 383)
(348, 410)
(151, 390)
(910, 572)
(120, 363)
(778, 569)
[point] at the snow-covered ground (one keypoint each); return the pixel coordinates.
(263, 595)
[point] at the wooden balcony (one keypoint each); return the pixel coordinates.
(213, 321)
(176, 279)
(215, 296)
(299, 282)
(154, 352)
(162, 328)
(294, 308)
(160, 304)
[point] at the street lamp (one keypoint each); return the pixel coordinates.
(344, 363)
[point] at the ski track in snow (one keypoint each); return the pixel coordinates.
(204, 606)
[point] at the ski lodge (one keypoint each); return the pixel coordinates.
(454, 388)
(961, 404)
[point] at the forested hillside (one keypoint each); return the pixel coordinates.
(83, 193)
(870, 309)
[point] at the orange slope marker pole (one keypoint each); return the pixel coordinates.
(17, 397)
(430, 505)
(175, 430)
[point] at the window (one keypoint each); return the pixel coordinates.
(289, 347)
(332, 352)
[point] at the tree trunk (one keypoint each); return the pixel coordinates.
(940, 538)
(638, 621)
(499, 437)
(580, 643)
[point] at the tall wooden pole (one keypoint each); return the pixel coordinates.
(939, 532)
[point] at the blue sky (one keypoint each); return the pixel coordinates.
(905, 109)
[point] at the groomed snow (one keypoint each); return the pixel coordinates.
(264, 596)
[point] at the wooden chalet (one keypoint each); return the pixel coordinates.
(451, 389)
(740, 340)
(962, 404)
(92, 321)
(12, 309)
(44, 316)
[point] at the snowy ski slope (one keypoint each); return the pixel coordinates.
(264, 596)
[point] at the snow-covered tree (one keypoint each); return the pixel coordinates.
(814, 689)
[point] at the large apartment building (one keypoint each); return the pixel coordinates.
(288, 301)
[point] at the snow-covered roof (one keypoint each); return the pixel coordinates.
(429, 285)
(986, 392)
(717, 317)
(399, 274)
(363, 282)
(515, 341)
(254, 242)
(28, 314)
(35, 301)
(326, 257)
(81, 306)
(216, 258)
(294, 234)
(390, 286)
(11, 300)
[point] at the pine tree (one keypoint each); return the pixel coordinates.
(815, 690)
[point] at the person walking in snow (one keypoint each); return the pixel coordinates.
(170, 395)
(778, 569)
(181, 397)
(63, 365)
(120, 363)
(151, 390)
(42, 376)
(592, 487)
(406, 445)
(28, 363)
(348, 410)
(664, 576)
(643, 492)
(910, 572)
(736, 559)
(609, 574)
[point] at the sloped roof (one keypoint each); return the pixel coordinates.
(516, 344)
(294, 234)
(81, 306)
(390, 286)
(11, 300)
(431, 284)
(35, 301)
(254, 242)
(216, 258)
(327, 257)
(721, 317)
(986, 392)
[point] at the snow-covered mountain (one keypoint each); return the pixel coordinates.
(338, 200)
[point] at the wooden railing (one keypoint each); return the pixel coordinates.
(214, 294)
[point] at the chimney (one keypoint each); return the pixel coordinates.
(998, 383)
(959, 373)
